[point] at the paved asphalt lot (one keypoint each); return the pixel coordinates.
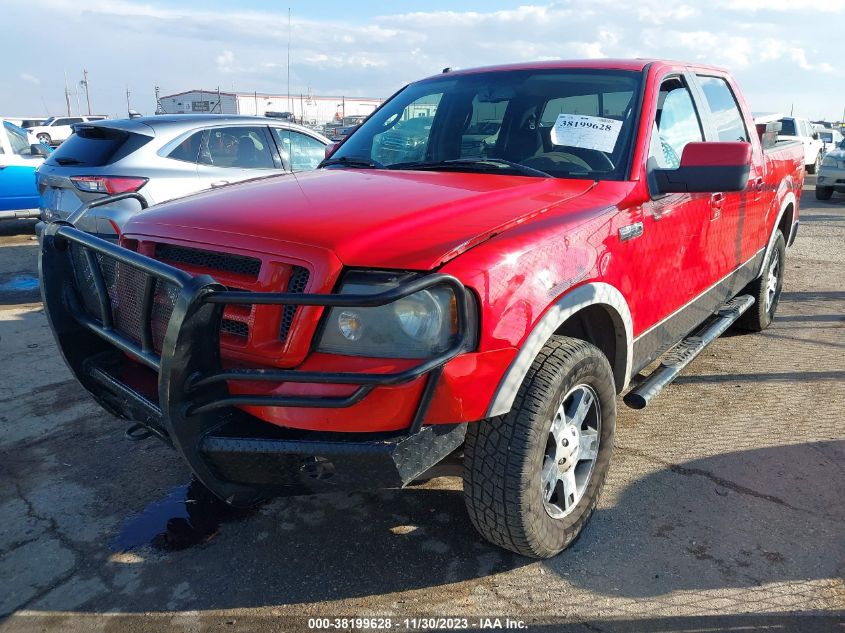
(724, 508)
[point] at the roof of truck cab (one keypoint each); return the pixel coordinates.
(636, 65)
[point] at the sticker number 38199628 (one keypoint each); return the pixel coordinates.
(589, 132)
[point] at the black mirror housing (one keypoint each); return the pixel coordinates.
(38, 149)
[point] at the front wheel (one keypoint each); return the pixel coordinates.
(766, 290)
(44, 138)
(823, 193)
(814, 168)
(533, 476)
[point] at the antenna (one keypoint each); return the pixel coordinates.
(128, 107)
(290, 102)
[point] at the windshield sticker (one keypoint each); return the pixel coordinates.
(588, 132)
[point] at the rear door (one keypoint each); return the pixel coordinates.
(736, 218)
(233, 153)
(17, 170)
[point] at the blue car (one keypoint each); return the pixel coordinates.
(20, 156)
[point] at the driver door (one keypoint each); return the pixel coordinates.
(670, 252)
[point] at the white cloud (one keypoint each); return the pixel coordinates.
(30, 78)
(774, 46)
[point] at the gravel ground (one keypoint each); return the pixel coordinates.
(724, 507)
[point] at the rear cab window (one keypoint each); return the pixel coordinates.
(724, 109)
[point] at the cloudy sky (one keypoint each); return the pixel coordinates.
(784, 54)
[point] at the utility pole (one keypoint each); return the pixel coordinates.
(128, 107)
(67, 95)
(84, 82)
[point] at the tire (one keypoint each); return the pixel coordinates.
(44, 138)
(505, 482)
(814, 168)
(823, 193)
(766, 290)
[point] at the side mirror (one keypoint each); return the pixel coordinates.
(39, 149)
(815, 136)
(330, 148)
(706, 168)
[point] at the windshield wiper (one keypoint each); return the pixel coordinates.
(352, 161)
(486, 164)
(68, 161)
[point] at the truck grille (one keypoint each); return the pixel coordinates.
(125, 288)
(296, 284)
(224, 262)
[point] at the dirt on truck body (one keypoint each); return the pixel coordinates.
(425, 295)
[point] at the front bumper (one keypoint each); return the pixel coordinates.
(170, 379)
(831, 177)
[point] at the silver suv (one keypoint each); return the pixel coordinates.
(165, 157)
(832, 173)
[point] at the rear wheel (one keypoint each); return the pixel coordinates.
(533, 476)
(766, 290)
(823, 193)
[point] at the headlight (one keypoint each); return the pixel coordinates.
(420, 325)
(829, 161)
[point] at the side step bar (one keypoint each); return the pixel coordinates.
(684, 352)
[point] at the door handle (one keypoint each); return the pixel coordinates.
(219, 183)
(758, 184)
(716, 201)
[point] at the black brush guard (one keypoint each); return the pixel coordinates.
(186, 401)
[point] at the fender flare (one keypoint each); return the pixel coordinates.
(788, 199)
(589, 294)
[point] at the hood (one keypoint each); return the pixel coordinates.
(371, 218)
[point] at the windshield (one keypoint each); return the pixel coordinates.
(564, 123)
(49, 121)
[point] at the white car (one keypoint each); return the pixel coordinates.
(798, 129)
(57, 129)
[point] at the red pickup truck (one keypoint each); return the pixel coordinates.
(432, 295)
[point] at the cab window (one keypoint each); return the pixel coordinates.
(724, 109)
(676, 124)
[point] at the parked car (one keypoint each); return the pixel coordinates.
(20, 156)
(166, 157)
(798, 129)
(367, 321)
(831, 176)
(25, 122)
(57, 129)
(830, 138)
